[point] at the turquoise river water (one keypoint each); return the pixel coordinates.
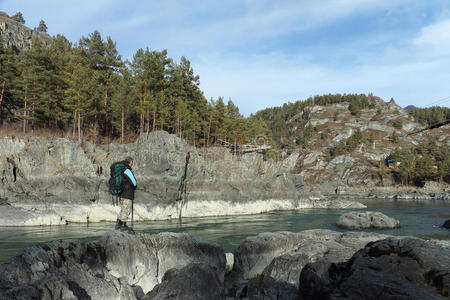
(416, 219)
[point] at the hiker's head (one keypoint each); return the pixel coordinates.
(129, 160)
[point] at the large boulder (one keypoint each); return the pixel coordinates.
(394, 268)
(366, 220)
(62, 270)
(118, 266)
(278, 257)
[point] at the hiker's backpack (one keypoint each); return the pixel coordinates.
(116, 179)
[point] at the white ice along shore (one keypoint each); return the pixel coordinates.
(60, 214)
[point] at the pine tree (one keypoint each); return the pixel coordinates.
(9, 83)
(36, 73)
(60, 52)
(79, 93)
(42, 27)
(184, 86)
(122, 102)
(105, 62)
(18, 17)
(219, 121)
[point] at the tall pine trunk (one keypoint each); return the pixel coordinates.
(209, 132)
(141, 121)
(95, 125)
(122, 127)
(25, 114)
(74, 125)
(49, 111)
(105, 107)
(3, 92)
(147, 116)
(79, 127)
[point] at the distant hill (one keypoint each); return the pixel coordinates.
(410, 107)
(338, 143)
(14, 34)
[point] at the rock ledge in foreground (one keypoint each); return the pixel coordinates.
(394, 268)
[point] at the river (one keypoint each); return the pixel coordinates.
(416, 219)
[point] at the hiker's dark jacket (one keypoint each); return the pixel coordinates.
(129, 184)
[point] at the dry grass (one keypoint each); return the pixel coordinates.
(9, 131)
(13, 131)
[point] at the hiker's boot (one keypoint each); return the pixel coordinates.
(119, 224)
(126, 228)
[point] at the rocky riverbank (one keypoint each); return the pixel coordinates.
(56, 180)
(280, 265)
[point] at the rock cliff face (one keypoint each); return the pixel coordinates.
(51, 181)
(13, 34)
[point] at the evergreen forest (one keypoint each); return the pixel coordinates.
(87, 91)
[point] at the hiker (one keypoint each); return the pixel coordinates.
(126, 195)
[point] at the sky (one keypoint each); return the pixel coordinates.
(263, 53)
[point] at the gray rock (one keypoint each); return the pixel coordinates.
(394, 268)
(63, 269)
(193, 282)
(150, 256)
(256, 253)
(365, 220)
(68, 180)
(266, 287)
(345, 134)
(182, 266)
(278, 258)
(18, 36)
(118, 266)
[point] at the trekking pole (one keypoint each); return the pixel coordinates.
(132, 213)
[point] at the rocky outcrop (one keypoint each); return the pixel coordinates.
(55, 181)
(13, 34)
(270, 263)
(394, 268)
(364, 165)
(118, 266)
(313, 264)
(366, 220)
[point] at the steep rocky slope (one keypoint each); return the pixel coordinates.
(365, 165)
(13, 34)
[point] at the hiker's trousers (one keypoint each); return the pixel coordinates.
(125, 209)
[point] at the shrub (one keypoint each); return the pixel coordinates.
(398, 124)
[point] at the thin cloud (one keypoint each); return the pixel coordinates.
(436, 35)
